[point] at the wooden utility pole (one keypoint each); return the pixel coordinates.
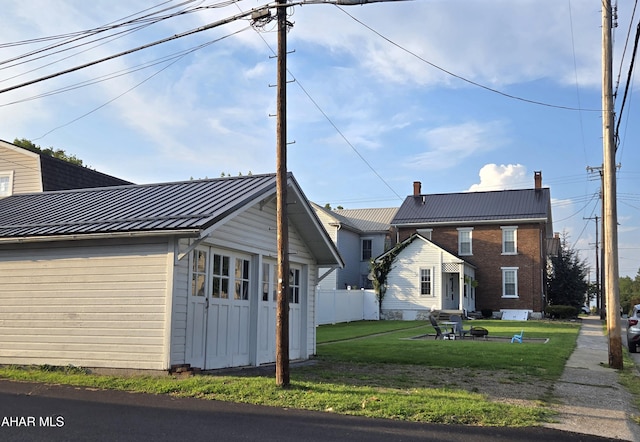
(282, 224)
(598, 306)
(610, 215)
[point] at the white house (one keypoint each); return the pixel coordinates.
(425, 277)
(155, 276)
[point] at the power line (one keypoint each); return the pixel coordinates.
(459, 77)
(139, 48)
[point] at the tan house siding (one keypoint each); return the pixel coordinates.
(96, 304)
(25, 167)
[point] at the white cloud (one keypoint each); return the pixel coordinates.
(447, 146)
(494, 177)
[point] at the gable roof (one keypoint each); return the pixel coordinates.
(184, 208)
(446, 255)
(369, 220)
(57, 174)
(524, 205)
(376, 220)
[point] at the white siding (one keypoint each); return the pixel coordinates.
(403, 292)
(252, 232)
(180, 300)
(25, 165)
(90, 304)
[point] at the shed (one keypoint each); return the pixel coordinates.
(158, 275)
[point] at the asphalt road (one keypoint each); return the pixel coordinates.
(37, 412)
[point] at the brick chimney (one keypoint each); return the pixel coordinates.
(537, 178)
(417, 188)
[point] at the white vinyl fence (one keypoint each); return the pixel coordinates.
(346, 305)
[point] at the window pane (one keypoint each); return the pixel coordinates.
(425, 281)
(366, 249)
(265, 282)
(509, 241)
(4, 186)
(510, 283)
(224, 288)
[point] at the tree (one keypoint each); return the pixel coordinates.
(629, 292)
(567, 277)
(50, 151)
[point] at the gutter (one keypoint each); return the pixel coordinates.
(82, 236)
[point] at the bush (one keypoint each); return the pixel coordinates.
(561, 311)
(486, 312)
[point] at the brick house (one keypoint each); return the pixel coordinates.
(502, 235)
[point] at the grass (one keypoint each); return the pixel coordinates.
(544, 360)
(389, 391)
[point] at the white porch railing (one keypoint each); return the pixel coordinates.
(336, 306)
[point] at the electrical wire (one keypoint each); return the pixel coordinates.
(459, 77)
(175, 60)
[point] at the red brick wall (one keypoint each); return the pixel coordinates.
(488, 259)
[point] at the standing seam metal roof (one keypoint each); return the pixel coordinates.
(504, 205)
(135, 208)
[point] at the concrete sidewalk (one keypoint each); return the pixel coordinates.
(592, 400)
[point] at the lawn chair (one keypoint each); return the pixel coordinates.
(517, 338)
(459, 329)
(437, 328)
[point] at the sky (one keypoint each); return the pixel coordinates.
(459, 95)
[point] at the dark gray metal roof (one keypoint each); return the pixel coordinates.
(191, 205)
(188, 207)
(473, 207)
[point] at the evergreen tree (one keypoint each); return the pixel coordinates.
(567, 277)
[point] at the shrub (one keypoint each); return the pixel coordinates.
(486, 312)
(561, 311)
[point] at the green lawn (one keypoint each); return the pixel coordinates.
(545, 360)
(373, 369)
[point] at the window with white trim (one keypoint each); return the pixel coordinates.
(294, 286)
(366, 249)
(425, 233)
(220, 276)
(425, 282)
(509, 282)
(509, 240)
(198, 272)
(464, 241)
(6, 184)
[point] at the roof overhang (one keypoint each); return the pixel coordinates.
(473, 222)
(108, 235)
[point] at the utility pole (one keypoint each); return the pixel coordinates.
(282, 224)
(610, 237)
(601, 290)
(598, 305)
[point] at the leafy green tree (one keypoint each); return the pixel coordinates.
(567, 277)
(50, 151)
(629, 292)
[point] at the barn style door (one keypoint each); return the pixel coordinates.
(219, 310)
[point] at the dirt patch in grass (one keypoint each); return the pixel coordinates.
(500, 386)
(497, 385)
